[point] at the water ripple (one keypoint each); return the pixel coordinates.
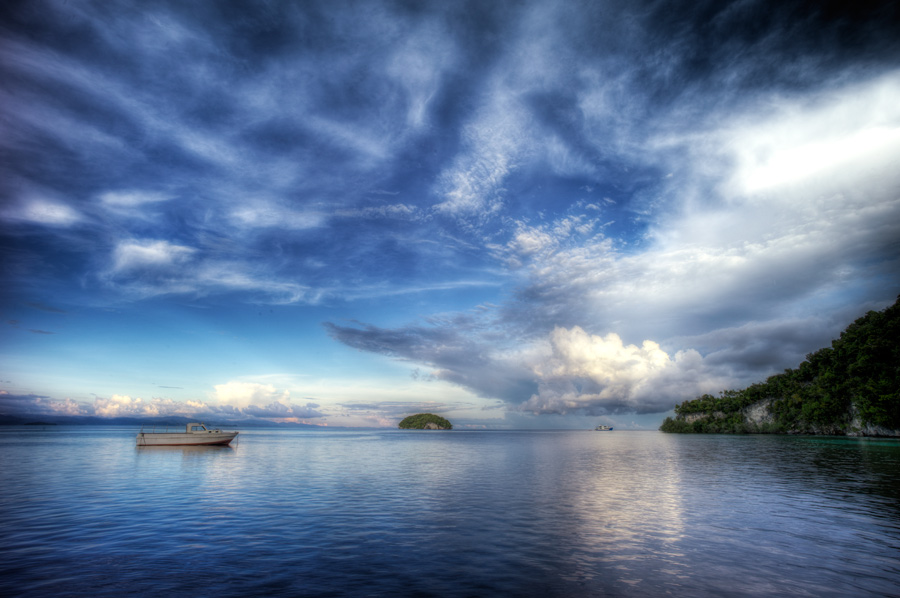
(286, 513)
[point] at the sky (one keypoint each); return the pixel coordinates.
(515, 214)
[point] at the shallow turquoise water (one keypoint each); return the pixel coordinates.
(84, 512)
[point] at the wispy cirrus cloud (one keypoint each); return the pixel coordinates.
(260, 214)
(130, 255)
(508, 132)
(473, 186)
(132, 198)
(42, 211)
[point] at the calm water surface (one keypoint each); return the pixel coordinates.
(83, 512)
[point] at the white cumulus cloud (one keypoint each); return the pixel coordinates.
(253, 399)
(244, 394)
(601, 374)
(128, 406)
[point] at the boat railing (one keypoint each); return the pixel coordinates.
(161, 429)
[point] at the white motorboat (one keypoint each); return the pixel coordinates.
(194, 434)
(603, 428)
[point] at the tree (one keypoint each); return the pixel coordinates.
(421, 421)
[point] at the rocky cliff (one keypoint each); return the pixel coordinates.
(758, 419)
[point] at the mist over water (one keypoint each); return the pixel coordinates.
(84, 512)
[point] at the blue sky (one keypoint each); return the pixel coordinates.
(514, 214)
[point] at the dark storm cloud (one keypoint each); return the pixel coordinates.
(461, 357)
(12, 403)
(25, 405)
(760, 44)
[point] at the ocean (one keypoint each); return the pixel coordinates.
(83, 512)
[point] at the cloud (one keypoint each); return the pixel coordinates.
(717, 248)
(243, 394)
(568, 371)
(504, 133)
(147, 268)
(31, 404)
(472, 186)
(719, 182)
(130, 199)
(280, 411)
(47, 212)
(234, 276)
(535, 244)
(853, 132)
(741, 212)
(418, 64)
(454, 352)
(143, 206)
(126, 406)
(761, 262)
(131, 255)
(395, 211)
(600, 374)
(766, 346)
(43, 307)
(234, 401)
(263, 214)
(262, 400)
(122, 405)
(529, 241)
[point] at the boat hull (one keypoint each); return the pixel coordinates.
(182, 439)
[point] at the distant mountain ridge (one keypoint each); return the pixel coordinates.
(851, 388)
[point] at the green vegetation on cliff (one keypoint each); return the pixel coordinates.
(852, 387)
(421, 421)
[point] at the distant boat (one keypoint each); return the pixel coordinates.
(602, 428)
(194, 434)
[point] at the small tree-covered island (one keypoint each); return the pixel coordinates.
(425, 421)
(851, 388)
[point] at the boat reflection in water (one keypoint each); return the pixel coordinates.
(194, 434)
